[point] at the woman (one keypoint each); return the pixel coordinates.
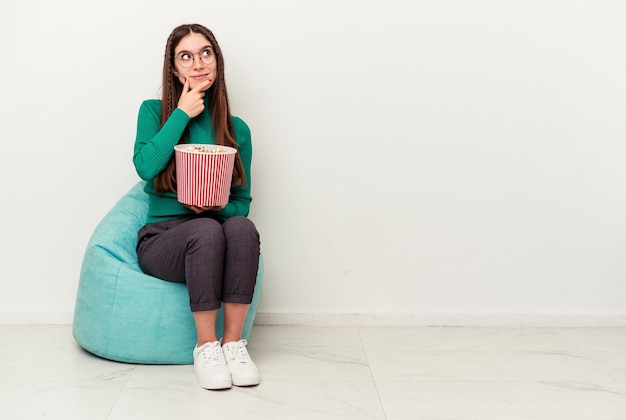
(215, 250)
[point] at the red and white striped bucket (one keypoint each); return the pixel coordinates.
(204, 173)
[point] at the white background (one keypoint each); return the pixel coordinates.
(414, 161)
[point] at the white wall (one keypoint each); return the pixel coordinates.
(415, 161)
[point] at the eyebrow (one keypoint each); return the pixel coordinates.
(201, 49)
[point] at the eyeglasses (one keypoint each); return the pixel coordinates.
(207, 56)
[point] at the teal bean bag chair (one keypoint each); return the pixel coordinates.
(125, 315)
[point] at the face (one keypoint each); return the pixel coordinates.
(190, 58)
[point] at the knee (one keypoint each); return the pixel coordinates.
(241, 227)
(205, 230)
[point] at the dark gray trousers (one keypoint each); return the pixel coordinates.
(218, 261)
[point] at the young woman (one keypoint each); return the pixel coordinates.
(214, 250)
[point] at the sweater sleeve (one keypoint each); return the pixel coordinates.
(154, 145)
(240, 197)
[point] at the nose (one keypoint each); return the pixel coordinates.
(197, 62)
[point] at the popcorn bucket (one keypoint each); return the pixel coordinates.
(204, 173)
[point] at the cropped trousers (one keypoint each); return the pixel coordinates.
(217, 260)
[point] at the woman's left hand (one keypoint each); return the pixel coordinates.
(200, 209)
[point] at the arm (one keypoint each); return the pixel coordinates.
(240, 198)
(154, 145)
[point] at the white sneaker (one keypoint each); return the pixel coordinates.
(242, 369)
(210, 366)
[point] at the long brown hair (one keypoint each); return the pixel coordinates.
(221, 120)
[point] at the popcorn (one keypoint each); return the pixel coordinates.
(209, 149)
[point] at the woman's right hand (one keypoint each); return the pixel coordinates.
(200, 209)
(192, 101)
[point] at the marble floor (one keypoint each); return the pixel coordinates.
(333, 373)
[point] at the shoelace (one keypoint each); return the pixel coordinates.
(238, 352)
(212, 354)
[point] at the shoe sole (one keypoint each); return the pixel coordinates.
(246, 381)
(217, 384)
